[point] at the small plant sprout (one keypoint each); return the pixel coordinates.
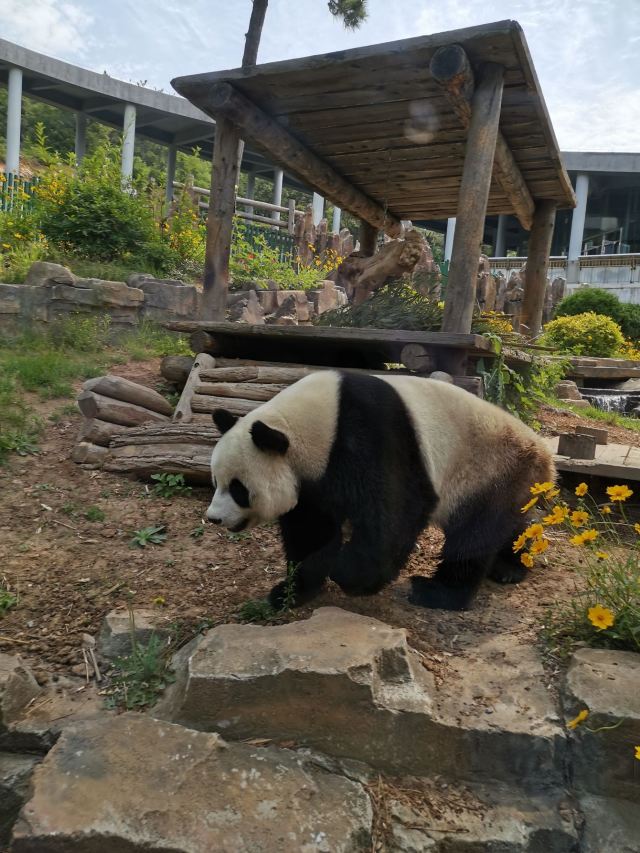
(8, 599)
(198, 532)
(169, 485)
(259, 610)
(152, 535)
(94, 513)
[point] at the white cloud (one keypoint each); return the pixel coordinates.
(50, 27)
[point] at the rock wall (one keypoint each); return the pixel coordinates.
(52, 291)
(496, 292)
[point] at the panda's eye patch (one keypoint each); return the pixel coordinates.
(239, 493)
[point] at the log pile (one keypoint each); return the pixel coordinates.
(111, 406)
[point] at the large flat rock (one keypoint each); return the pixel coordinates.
(611, 826)
(18, 688)
(132, 784)
(350, 686)
(606, 683)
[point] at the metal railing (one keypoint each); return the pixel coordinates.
(16, 193)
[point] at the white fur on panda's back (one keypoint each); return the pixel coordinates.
(462, 438)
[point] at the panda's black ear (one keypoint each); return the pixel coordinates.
(268, 439)
(224, 420)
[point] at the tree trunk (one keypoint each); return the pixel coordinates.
(253, 34)
(535, 275)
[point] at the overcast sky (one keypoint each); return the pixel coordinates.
(586, 52)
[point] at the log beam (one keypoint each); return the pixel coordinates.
(451, 68)
(368, 239)
(222, 205)
(227, 104)
(472, 204)
(535, 278)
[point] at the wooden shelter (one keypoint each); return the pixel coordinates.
(445, 125)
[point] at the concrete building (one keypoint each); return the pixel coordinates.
(597, 243)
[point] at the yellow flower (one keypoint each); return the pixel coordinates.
(534, 531)
(582, 490)
(441, 304)
(602, 555)
(579, 518)
(606, 510)
(637, 749)
(539, 546)
(526, 560)
(619, 493)
(636, 527)
(6, 246)
(528, 506)
(520, 542)
(540, 488)
(582, 716)
(552, 494)
(590, 535)
(159, 600)
(600, 617)
(557, 516)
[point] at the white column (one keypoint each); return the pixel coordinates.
(14, 114)
(335, 225)
(501, 234)
(318, 208)
(128, 141)
(577, 229)
(172, 152)
(448, 240)
(81, 136)
(278, 176)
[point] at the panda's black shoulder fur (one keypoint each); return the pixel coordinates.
(375, 481)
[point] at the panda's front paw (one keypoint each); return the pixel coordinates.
(504, 572)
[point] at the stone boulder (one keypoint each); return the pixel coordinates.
(18, 688)
(246, 309)
(166, 299)
(15, 776)
(115, 636)
(351, 687)
(605, 683)
(567, 390)
(43, 273)
(133, 784)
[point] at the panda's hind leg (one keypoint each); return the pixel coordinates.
(478, 543)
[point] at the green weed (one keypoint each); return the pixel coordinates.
(142, 675)
(153, 535)
(8, 599)
(197, 532)
(260, 610)
(169, 485)
(94, 513)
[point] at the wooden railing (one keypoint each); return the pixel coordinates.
(250, 204)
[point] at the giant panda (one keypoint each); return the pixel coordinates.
(354, 466)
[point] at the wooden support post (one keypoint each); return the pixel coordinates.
(223, 102)
(472, 201)
(220, 221)
(535, 280)
(451, 68)
(368, 238)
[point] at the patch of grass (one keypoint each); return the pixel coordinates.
(94, 513)
(18, 427)
(260, 610)
(594, 414)
(8, 599)
(169, 485)
(141, 676)
(153, 535)
(151, 341)
(197, 532)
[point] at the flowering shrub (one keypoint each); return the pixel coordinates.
(584, 334)
(603, 302)
(605, 610)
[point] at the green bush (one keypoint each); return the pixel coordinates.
(86, 212)
(584, 334)
(598, 301)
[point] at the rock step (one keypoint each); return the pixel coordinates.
(134, 784)
(350, 687)
(15, 773)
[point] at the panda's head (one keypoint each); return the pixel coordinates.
(251, 472)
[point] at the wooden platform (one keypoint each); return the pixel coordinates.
(603, 368)
(614, 461)
(332, 347)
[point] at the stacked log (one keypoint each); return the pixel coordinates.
(111, 406)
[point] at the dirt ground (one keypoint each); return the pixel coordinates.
(69, 571)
